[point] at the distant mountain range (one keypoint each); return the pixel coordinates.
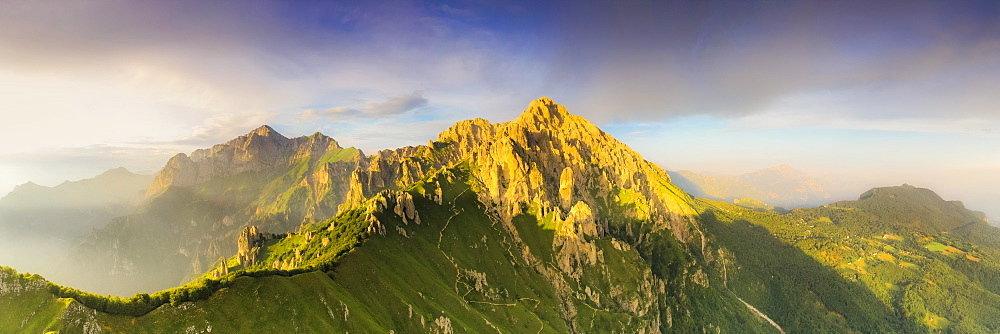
(544, 223)
(71, 209)
(39, 224)
(781, 186)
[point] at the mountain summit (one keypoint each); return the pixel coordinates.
(266, 131)
(543, 110)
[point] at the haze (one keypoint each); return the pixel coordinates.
(858, 93)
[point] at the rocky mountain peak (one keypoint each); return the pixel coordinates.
(543, 111)
(319, 139)
(266, 131)
(259, 150)
(547, 158)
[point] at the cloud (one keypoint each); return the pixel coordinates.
(397, 105)
(392, 107)
(188, 74)
(661, 60)
(224, 57)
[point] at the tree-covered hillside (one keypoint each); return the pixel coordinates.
(904, 246)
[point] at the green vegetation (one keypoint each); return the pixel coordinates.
(781, 280)
(837, 268)
(923, 279)
(459, 250)
(26, 306)
(422, 281)
(753, 204)
(349, 233)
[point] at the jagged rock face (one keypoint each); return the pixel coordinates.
(546, 158)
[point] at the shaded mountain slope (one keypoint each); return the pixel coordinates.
(197, 205)
(903, 244)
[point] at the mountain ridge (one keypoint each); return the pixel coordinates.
(547, 223)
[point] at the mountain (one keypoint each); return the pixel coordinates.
(37, 223)
(197, 205)
(71, 209)
(781, 186)
(547, 224)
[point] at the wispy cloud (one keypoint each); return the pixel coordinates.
(392, 107)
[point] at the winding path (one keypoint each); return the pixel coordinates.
(762, 315)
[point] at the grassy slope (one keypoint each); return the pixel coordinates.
(809, 271)
(458, 269)
(379, 282)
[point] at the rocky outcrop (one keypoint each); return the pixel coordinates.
(405, 208)
(249, 244)
(391, 169)
(223, 269)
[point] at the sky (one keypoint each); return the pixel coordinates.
(863, 93)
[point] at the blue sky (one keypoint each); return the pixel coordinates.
(865, 93)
